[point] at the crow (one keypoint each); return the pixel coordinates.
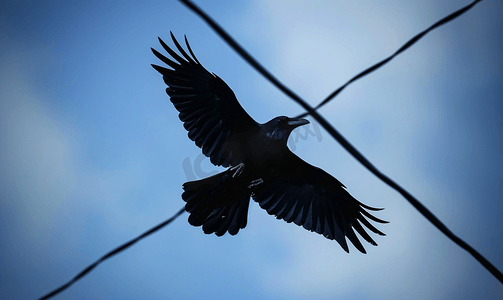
(259, 163)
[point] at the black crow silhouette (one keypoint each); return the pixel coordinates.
(259, 162)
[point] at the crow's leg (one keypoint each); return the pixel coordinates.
(255, 182)
(238, 169)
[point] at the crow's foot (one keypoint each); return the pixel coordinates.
(238, 169)
(256, 182)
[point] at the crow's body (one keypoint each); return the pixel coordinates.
(260, 164)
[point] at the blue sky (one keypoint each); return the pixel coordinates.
(92, 151)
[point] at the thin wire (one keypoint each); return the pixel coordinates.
(110, 254)
(411, 42)
(329, 128)
(418, 205)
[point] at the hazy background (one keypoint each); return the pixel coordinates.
(92, 149)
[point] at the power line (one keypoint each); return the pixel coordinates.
(110, 254)
(411, 42)
(421, 208)
(345, 143)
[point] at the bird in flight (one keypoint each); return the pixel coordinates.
(259, 163)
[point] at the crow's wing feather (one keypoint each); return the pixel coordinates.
(310, 197)
(208, 108)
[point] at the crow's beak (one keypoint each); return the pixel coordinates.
(297, 122)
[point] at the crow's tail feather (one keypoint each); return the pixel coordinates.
(219, 203)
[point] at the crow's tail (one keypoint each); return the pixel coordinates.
(219, 203)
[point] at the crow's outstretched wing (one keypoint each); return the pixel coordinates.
(208, 108)
(311, 198)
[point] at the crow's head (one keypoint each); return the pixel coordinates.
(279, 128)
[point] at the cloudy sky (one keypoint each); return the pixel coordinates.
(92, 152)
